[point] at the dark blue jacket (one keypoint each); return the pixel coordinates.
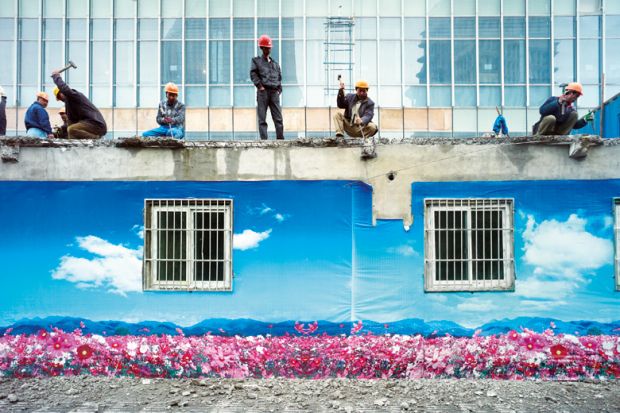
(552, 106)
(79, 108)
(2, 115)
(37, 117)
(366, 111)
(266, 73)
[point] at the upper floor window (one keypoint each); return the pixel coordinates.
(188, 244)
(469, 245)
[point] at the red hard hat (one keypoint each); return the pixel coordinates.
(575, 87)
(264, 41)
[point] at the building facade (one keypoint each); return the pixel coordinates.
(436, 67)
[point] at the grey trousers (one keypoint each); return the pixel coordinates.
(269, 98)
(549, 126)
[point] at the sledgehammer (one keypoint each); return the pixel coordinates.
(69, 65)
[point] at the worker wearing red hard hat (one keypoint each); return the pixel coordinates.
(359, 109)
(267, 77)
(170, 116)
(558, 116)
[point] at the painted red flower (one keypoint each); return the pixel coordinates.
(43, 334)
(513, 335)
(559, 351)
(84, 352)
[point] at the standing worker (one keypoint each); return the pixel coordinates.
(267, 77)
(359, 110)
(170, 116)
(36, 118)
(558, 116)
(85, 120)
(2, 112)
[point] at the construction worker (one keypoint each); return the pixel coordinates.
(37, 120)
(170, 116)
(267, 77)
(359, 110)
(84, 119)
(558, 116)
(2, 112)
(60, 132)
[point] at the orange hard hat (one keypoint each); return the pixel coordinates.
(43, 95)
(361, 84)
(575, 87)
(264, 41)
(172, 88)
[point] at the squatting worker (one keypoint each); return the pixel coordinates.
(170, 116)
(60, 132)
(267, 77)
(359, 110)
(37, 120)
(84, 119)
(558, 116)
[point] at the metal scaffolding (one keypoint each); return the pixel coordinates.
(338, 52)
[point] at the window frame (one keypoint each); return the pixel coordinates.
(151, 255)
(469, 205)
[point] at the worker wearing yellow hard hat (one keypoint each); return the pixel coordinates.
(359, 109)
(37, 120)
(170, 116)
(558, 115)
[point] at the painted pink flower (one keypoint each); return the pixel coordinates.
(43, 334)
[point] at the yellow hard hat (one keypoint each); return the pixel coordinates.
(56, 92)
(361, 84)
(43, 95)
(172, 88)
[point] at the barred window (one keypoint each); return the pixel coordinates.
(617, 240)
(188, 244)
(468, 245)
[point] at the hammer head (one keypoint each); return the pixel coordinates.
(73, 65)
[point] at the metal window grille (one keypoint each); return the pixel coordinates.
(617, 241)
(188, 244)
(469, 245)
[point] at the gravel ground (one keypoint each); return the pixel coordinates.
(90, 394)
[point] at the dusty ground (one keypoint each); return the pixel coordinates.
(88, 394)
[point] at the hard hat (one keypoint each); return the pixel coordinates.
(575, 87)
(362, 84)
(172, 88)
(62, 110)
(264, 41)
(56, 92)
(43, 95)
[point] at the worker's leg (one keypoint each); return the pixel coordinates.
(567, 126)
(177, 133)
(84, 130)
(370, 130)
(159, 131)
(352, 130)
(36, 133)
(339, 120)
(276, 113)
(262, 97)
(547, 126)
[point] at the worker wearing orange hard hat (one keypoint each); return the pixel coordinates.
(359, 109)
(558, 116)
(170, 116)
(267, 77)
(36, 118)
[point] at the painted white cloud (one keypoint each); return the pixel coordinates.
(476, 305)
(249, 239)
(138, 230)
(564, 249)
(267, 210)
(279, 217)
(534, 287)
(404, 250)
(116, 268)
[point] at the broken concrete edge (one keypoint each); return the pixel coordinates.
(139, 142)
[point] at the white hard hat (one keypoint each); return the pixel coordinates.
(2, 91)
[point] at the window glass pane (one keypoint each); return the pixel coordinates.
(29, 29)
(564, 27)
(52, 59)
(76, 8)
(389, 62)
(148, 63)
(219, 8)
(244, 96)
(488, 7)
(415, 96)
(7, 27)
(171, 62)
(28, 62)
(100, 63)
(125, 8)
(465, 61)
(77, 51)
(589, 6)
(243, 8)
(243, 28)
(219, 62)
(389, 8)
(171, 246)
(124, 97)
(219, 96)
(540, 61)
(196, 96)
(612, 61)
(147, 29)
(514, 8)
(196, 8)
(465, 96)
(365, 7)
(564, 66)
(589, 61)
(292, 8)
(8, 9)
(390, 28)
(539, 7)
(490, 96)
(439, 56)
(366, 28)
(51, 8)
(514, 27)
(440, 96)
(439, 27)
(514, 61)
(540, 26)
(465, 27)
(7, 50)
(28, 8)
(124, 29)
(171, 29)
(292, 28)
(566, 7)
(438, 7)
(612, 26)
(195, 29)
(465, 8)
(489, 65)
(415, 8)
(514, 96)
(415, 28)
(100, 29)
(268, 8)
(389, 96)
(243, 52)
(611, 7)
(366, 52)
(149, 96)
(52, 29)
(195, 62)
(27, 95)
(292, 62)
(315, 28)
(318, 8)
(219, 28)
(315, 70)
(292, 97)
(124, 69)
(102, 9)
(488, 27)
(148, 8)
(171, 8)
(589, 26)
(76, 29)
(538, 95)
(269, 26)
(415, 62)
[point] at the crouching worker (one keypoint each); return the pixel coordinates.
(170, 116)
(558, 116)
(358, 112)
(37, 120)
(84, 119)
(60, 132)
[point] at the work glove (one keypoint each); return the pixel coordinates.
(589, 117)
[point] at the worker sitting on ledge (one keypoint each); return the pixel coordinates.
(36, 118)
(170, 116)
(359, 110)
(558, 116)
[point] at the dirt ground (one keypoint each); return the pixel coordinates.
(90, 394)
